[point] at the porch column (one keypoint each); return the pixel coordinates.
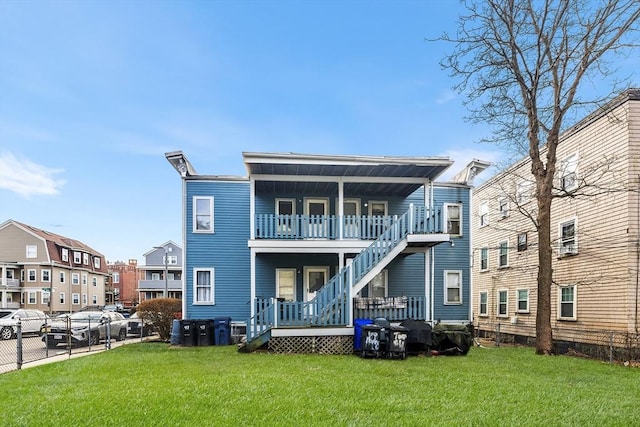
(5, 285)
(253, 282)
(340, 209)
(252, 208)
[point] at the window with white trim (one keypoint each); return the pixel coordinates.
(377, 287)
(524, 192)
(453, 287)
(94, 281)
(62, 277)
(85, 259)
(503, 303)
(202, 214)
(75, 299)
(31, 275)
(45, 296)
(567, 303)
(286, 283)
(75, 278)
(116, 277)
(203, 286)
(503, 207)
(84, 299)
(61, 295)
(77, 257)
(84, 278)
(96, 262)
(523, 300)
(65, 254)
(567, 238)
(94, 299)
(522, 242)
(45, 275)
(484, 214)
(170, 259)
(484, 304)
(503, 254)
(484, 259)
(32, 251)
(453, 219)
(567, 169)
(32, 297)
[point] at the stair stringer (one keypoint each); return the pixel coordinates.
(376, 269)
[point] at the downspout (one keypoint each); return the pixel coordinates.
(431, 251)
(470, 274)
(637, 252)
(252, 227)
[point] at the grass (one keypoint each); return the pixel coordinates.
(153, 384)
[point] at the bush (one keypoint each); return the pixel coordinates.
(160, 312)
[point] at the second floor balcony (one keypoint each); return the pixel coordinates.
(159, 285)
(10, 283)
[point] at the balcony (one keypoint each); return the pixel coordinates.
(10, 283)
(158, 285)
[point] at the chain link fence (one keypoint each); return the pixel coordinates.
(22, 342)
(606, 345)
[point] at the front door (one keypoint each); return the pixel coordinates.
(316, 210)
(315, 278)
(351, 218)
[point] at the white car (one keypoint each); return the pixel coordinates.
(87, 328)
(31, 322)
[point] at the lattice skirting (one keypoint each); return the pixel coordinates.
(342, 344)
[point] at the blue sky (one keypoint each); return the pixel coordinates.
(93, 93)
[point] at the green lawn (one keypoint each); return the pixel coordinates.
(154, 384)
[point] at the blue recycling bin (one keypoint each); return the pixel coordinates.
(222, 330)
(357, 332)
(176, 337)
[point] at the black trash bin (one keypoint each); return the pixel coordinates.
(189, 334)
(373, 344)
(222, 330)
(397, 343)
(205, 331)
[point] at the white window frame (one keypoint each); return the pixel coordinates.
(94, 281)
(504, 244)
(75, 278)
(519, 299)
(75, 298)
(77, 257)
(85, 259)
(63, 277)
(116, 277)
(196, 214)
(499, 303)
(384, 275)
(170, 259)
(574, 303)
(32, 297)
(45, 275)
(568, 171)
(524, 192)
(45, 296)
(503, 207)
(448, 286)
(484, 256)
(84, 299)
(378, 202)
(85, 279)
(568, 245)
(64, 253)
(31, 251)
(448, 221)
(155, 276)
(483, 214)
(295, 282)
(484, 313)
(32, 275)
(94, 299)
(96, 262)
(212, 286)
(522, 242)
(293, 205)
(62, 297)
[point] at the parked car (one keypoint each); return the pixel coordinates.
(31, 321)
(87, 328)
(134, 325)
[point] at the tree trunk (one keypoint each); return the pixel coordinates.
(544, 334)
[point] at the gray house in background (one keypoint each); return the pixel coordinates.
(161, 274)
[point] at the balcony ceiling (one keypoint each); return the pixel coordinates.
(353, 167)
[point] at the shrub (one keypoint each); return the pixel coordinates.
(160, 312)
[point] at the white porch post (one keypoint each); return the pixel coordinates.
(4, 283)
(252, 208)
(350, 295)
(340, 209)
(253, 282)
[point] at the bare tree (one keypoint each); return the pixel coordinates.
(521, 64)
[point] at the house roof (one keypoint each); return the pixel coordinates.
(362, 175)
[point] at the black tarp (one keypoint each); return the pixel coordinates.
(452, 339)
(418, 335)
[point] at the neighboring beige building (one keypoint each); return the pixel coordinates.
(595, 237)
(38, 266)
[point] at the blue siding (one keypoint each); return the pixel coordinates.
(406, 276)
(225, 250)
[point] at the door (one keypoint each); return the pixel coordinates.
(316, 210)
(315, 278)
(351, 211)
(285, 210)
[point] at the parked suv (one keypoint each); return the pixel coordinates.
(32, 321)
(87, 328)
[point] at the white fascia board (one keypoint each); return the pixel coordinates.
(318, 178)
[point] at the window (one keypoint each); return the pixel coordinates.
(523, 300)
(454, 219)
(84, 278)
(155, 276)
(567, 170)
(94, 281)
(96, 262)
(484, 214)
(65, 254)
(567, 305)
(32, 251)
(503, 254)
(75, 278)
(203, 286)
(62, 277)
(522, 242)
(286, 283)
(377, 208)
(45, 297)
(45, 275)
(31, 298)
(452, 287)
(202, 214)
(567, 238)
(62, 297)
(503, 207)
(484, 300)
(84, 299)
(85, 259)
(484, 259)
(170, 260)
(503, 299)
(75, 299)
(377, 287)
(76, 257)
(31, 275)
(94, 300)
(523, 192)
(116, 277)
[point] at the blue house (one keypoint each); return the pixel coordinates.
(305, 244)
